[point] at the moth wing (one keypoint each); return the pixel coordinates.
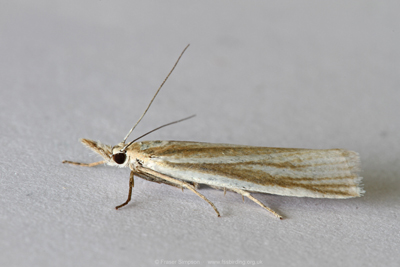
(326, 173)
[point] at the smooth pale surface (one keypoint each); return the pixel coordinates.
(301, 74)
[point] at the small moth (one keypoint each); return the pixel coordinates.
(316, 173)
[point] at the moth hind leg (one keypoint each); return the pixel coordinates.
(84, 164)
(181, 184)
(247, 194)
(162, 181)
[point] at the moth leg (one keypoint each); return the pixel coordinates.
(194, 184)
(161, 181)
(84, 164)
(131, 184)
(178, 182)
(247, 194)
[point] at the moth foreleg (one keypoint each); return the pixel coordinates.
(84, 164)
(247, 194)
(131, 185)
(177, 182)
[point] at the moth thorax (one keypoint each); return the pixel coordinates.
(119, 158)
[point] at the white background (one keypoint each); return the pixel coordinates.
(306, 74)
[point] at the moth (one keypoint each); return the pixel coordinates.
(316, 173)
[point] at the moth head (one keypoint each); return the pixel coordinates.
(118, 155)
(112, 155)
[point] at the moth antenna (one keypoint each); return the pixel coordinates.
(162, 126)
(166, 78)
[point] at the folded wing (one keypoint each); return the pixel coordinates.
(326, 173)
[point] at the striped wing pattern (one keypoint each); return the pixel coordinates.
(325, 173)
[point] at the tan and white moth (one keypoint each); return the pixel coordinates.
(317, 173)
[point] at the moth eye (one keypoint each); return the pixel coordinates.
(119, 158)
